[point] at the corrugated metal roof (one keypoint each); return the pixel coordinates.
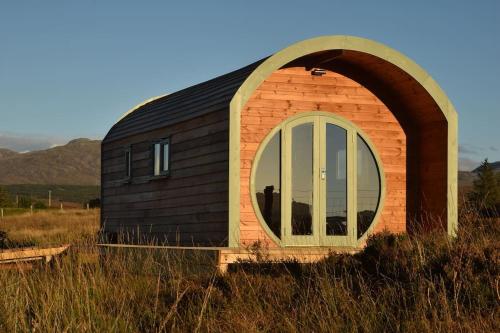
(188, 103)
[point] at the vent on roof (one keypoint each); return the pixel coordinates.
(318, 72)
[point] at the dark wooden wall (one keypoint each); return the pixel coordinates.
(188, 207)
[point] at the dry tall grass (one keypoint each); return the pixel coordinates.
(397, 284)
(45, 227)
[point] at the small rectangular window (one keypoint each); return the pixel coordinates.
(128, 162)
(157, 159)
(161, 161)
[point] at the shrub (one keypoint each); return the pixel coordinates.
(6, 243)
(24, 202)
(486, 190)
(39, 205)
(4, 198)
(93, 203)
(3, 239)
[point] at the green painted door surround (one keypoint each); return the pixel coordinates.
(325, 43)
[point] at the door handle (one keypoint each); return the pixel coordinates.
(323, 173)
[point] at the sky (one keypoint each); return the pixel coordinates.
(70, 69)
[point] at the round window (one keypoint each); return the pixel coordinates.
(316, 181)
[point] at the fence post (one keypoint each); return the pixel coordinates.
(1, 213)
(31, 209)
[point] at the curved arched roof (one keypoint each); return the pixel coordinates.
(188, 103)
(347, 43)
(140, 105)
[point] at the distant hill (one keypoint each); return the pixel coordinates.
(76, 163)
(4, 153)
(466, 178)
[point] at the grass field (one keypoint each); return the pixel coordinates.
(67, 193)
(396, 284)
(46, 227)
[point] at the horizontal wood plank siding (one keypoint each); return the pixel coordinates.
(290, 91)
(188, 207)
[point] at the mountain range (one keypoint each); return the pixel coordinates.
(76, 163)
(79, 163)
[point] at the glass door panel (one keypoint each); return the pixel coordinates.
(300, 184)
(302, 179)
(335, 189)
(368, 187)
(336, 180)
(268, 184)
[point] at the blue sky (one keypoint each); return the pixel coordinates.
(70, 68)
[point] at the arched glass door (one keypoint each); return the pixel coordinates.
(315, 182)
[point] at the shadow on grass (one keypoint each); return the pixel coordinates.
(6, 243)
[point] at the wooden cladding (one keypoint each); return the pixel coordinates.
(189, 207)
(290, 91)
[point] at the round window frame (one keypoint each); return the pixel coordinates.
(336, 120)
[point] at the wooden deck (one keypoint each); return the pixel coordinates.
(31, 254)
(228, 255)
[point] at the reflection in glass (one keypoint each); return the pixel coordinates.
(368, 186)
(302, 179)
(336, 180)
(165, 156)
(268, 184)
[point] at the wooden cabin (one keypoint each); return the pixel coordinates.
(317, 146)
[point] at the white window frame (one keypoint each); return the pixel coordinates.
(161, 157)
